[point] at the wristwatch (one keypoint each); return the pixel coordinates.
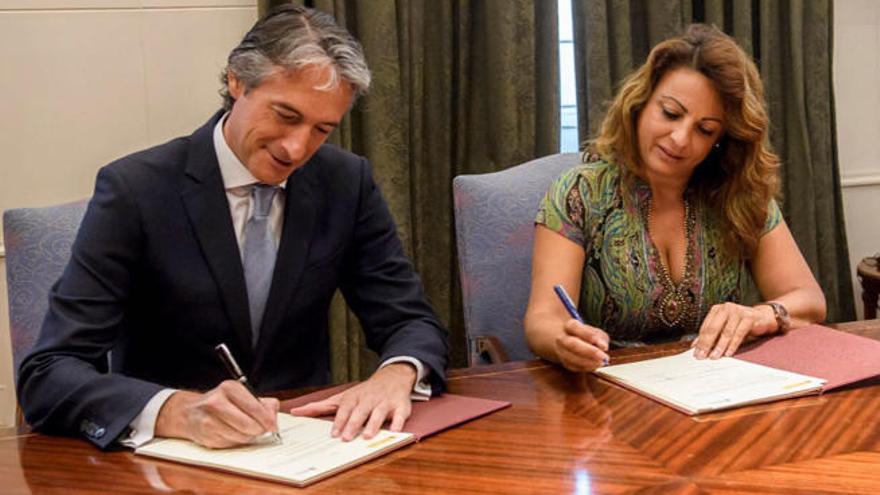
(783, 320)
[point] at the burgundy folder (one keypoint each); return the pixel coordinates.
(840, 358)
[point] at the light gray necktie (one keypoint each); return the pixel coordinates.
(259, 255)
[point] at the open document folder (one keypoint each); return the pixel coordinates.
(812, 359)
(307, 452)
(696, 386)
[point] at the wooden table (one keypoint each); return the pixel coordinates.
(566, 433)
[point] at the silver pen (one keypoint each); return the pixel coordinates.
(237, 375)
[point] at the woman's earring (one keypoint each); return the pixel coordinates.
(717, 145)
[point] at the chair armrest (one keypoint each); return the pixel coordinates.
(488, 349)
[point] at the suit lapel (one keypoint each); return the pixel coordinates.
(293, 250)
(208, 210)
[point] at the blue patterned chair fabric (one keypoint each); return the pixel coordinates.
(38, 242)
(494, 224)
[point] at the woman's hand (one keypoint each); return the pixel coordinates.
(581, 347)
(727, 325)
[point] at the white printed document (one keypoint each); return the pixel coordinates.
(696, 386)
(306, 454)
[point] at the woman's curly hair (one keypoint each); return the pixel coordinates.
(739, 177)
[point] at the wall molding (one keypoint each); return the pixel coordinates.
(10, 6)
(860, 180)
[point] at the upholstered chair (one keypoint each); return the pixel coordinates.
(494, 224)
(38, 242)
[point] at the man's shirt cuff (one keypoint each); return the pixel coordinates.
(143, 426)
(421, 388)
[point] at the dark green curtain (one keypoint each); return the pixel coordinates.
(458, 87)
(791, 41)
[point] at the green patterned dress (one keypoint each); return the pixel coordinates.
(593, 206)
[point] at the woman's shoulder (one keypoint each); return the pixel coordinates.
(575, 195)
(596, 180)
(598, 172)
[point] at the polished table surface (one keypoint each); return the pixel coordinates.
(566, 433)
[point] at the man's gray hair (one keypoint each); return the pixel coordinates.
(293, 37)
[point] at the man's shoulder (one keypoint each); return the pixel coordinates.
(163, 157)
(170, 159)
(336, 175)
(330, 154)
(334, 168)
(157, 173)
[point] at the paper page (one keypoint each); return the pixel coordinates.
(307, 451)
(700, 385)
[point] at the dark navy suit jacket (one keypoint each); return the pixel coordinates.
(156, 277)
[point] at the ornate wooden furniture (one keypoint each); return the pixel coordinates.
(869, 275)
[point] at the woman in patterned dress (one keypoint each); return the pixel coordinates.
(672, 215)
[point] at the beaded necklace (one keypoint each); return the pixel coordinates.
(676, 305)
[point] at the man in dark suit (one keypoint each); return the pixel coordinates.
(239, 234)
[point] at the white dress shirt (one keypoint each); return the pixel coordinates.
(238, 181)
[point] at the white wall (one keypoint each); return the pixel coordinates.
(87, 81)
(857, 96)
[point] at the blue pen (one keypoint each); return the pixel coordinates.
(572, 310)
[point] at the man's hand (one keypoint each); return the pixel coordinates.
(223, 417)
(581, 347)
(385, 395)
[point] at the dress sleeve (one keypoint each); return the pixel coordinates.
(562, 210)
(774, 216)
